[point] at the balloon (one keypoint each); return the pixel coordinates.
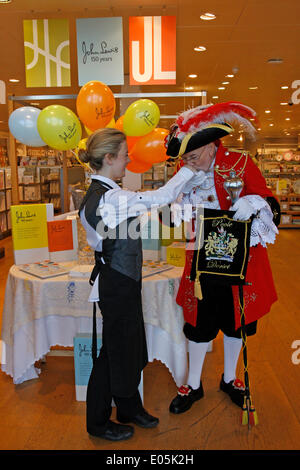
(150, 148)
(112, 123)
(88, 131)
(81, 145)
(95, 105)
(141, 117)
(131, 141)
(59, 127)
(22, 124)
(135, 166)
(119, 123)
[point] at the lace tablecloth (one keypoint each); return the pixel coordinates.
(38, 314)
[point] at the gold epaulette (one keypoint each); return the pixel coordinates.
(241, 152)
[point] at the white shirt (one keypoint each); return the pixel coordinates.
(119, 204)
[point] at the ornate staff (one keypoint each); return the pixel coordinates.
(234, 185)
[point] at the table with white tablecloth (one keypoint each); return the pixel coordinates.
(39, 314)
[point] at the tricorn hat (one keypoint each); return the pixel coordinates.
(202, 125)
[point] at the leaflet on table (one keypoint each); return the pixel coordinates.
(29, 232)
(44, 269)
(150, 268)
(63, 240)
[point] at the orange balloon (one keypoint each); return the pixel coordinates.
(119, 123)
(131, 141)
(150, 148)
(95, 105)
(136, 166)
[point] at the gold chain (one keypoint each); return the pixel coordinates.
(230, 169)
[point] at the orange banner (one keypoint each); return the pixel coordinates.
(152, 50)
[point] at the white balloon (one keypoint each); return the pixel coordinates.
(22, 124)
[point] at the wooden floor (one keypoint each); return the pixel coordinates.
(42, 414)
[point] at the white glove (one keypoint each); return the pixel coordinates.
(243, 209)
(197, 179)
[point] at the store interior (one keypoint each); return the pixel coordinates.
(245, 51)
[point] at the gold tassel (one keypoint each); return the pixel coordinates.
(253, 419)
(244, 416)
(249, 416)
(197, 289)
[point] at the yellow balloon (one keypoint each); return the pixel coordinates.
(82, 144)
(88, 131)
(141, 117)
(111, 123)
(59, 127)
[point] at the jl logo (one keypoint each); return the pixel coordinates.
(47, 52)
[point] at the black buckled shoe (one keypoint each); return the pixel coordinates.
(142, 419)
(235, 389)
(186, 396)
(114, 432)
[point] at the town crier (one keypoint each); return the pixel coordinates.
(195, 137)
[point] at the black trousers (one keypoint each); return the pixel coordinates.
(99, 397)
(123, 355)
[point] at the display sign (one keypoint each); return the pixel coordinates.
(60, 235)
(83, 364)
(29, 232)
(100, 50)
(47, 52)
(63, 240)
(152, 49)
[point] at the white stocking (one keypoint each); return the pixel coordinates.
(197, 352)
(232, 348)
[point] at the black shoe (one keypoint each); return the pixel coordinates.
(185, 398)
(114, 432)
(142, 419)
(235, 389)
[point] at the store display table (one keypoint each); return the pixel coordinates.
(38, 314)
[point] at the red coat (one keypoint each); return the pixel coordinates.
(261, 294)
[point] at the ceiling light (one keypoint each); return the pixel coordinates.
(285, 87)
(287, 119)
(253, 87)
(283, 104)
(193, 75)
(275, 61)
(208, 16)
(200, 49)
(287, 133)
(215, 97)
(230, 76)
(267, 111)
(14, 80)
(225, 83)
(271, 125)
(221, 88)
(259, 129)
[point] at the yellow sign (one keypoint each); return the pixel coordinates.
(47, 52)
(29, 226)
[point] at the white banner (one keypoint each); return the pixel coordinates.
(100, 50)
